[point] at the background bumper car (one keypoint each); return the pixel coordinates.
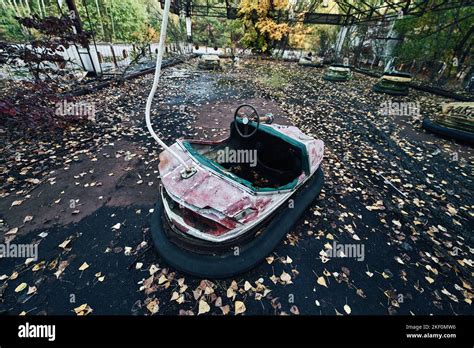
(338, 72)
(394, 83)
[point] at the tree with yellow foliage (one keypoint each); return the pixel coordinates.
(263, 29)
(273, 23)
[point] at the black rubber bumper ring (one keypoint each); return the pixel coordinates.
(250, 254)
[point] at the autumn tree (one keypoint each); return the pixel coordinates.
(49, 37)
(29, 106)
(263, 22)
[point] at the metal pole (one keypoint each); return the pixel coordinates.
(93, 35)
(78, 26)
(113, 56)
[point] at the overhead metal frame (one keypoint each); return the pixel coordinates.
(350, 11)
(324, 18)
(361, 11)
(227, 9)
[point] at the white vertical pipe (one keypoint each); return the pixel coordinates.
(159, 56)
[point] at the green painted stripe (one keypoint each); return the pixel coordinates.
(221, 170)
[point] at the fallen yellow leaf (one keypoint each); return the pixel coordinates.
(64, 244)
(84, 266)
(321, 281)
(38, 266)
(20, 287)
(153, 306)
(285, 277)
(239, 307)
(203, 307)
(83, 309)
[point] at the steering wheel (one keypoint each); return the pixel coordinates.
(243, 115)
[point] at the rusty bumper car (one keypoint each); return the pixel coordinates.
(237, 198)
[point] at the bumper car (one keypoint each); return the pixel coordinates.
(456, 121)
(338, 72)
(225, 205)
(311, 62)
(209, 62)
(224, 216)
(393, 83)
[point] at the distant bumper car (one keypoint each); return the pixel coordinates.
(228, 213)
(338, 72)
(311, 62)
(394, 83)
(209, 62)
(456, 121)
